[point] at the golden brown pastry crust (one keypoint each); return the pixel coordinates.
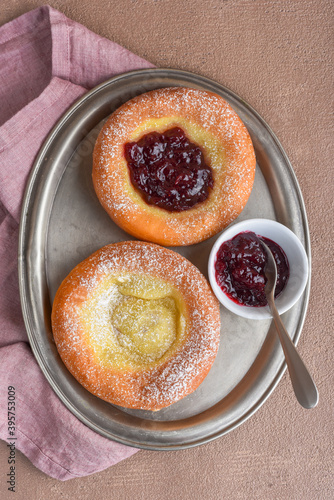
(204, 116)
(149, 386)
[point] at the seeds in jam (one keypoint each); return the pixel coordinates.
(240, 266)
(168, 170)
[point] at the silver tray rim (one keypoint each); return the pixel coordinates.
(22, 265)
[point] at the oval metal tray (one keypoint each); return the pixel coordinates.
(62, 223)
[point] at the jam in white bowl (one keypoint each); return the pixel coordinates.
(236, 265)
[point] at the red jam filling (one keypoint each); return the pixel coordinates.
(240, 266)
(168, 170)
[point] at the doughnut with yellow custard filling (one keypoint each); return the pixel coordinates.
(137, 325)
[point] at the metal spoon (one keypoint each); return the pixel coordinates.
(302, 382)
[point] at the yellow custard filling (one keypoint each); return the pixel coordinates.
(133, 320)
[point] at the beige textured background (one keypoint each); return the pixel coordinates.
(277, 55)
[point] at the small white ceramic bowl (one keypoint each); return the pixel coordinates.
(298, 266)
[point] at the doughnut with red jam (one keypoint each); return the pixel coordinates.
(174, 166)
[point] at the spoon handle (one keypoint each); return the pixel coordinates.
(302, 382)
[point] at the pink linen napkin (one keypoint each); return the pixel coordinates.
(47, 61)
